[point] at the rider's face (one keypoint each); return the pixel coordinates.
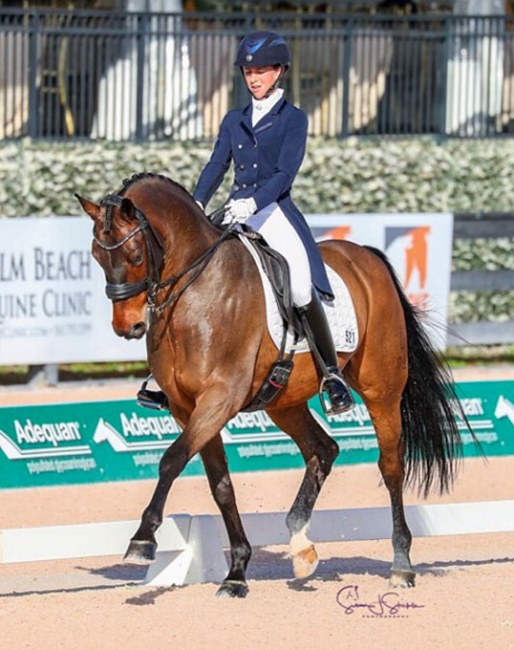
(260, 80)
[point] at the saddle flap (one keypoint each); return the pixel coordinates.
(277, 270)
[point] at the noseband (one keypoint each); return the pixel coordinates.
(154, 253)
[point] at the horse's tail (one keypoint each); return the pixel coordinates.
(429, 406)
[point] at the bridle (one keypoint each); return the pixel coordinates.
(117, 291)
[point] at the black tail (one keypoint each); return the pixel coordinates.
(429, 406)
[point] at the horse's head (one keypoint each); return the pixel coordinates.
(129, 251)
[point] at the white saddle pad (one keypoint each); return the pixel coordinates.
(340, 312)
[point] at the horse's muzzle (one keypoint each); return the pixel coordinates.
(136, 331)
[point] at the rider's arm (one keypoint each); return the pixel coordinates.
(214, 171)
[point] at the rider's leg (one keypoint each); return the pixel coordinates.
(314, 317)
(276, 229)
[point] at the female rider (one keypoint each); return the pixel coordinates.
(266, 141)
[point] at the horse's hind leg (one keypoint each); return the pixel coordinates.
(387, 423)
(216, 468)
(319, 452)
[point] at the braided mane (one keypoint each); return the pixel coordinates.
(127, 182)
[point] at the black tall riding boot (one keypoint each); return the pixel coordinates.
(322, 346)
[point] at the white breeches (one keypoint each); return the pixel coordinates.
(274, 226)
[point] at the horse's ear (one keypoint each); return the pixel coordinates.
(127, 210)
(92, 209)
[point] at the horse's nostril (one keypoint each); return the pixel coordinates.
(138, 330)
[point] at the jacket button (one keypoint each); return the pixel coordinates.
(254, 165)
(241, 166)
(244, 185)
(239, 146)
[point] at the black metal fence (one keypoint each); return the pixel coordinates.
(135, 76)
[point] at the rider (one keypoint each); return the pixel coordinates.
(266, 141)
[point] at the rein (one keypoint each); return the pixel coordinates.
(201, 263)
(152, 283)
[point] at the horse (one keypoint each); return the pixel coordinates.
(194, 290)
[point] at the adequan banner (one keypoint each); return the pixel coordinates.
(94, 442)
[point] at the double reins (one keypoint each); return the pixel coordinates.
(152, 284)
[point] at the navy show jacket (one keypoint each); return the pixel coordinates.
(266, 160)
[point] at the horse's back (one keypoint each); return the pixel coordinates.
(367, 277)
(377, 303)
(348, 258)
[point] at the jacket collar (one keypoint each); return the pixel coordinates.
(276, 108)
(246, 116)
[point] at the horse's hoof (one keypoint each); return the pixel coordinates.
(402, 579)
(140, 552)
(305, 562)
(232, 589)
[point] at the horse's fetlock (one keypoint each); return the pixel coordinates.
(299, 540)
(152, 520)
(242, 553)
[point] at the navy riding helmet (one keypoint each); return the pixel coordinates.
(261, 49)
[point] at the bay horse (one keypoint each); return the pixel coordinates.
(196, 293)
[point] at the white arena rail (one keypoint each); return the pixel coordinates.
(191, 548)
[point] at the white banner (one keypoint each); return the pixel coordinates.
(53, 307)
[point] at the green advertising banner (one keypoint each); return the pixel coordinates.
(88, 442)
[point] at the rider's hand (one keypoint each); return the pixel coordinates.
(238, 211)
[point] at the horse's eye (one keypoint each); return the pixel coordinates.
(137, 260)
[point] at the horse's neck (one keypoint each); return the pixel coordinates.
(186, 236)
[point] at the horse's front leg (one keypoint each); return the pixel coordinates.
(204, 424)
(216, 468)
(143, 547)
(319, 452)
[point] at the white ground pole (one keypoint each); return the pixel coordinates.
(191, 548)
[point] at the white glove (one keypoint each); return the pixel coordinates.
(238, 211)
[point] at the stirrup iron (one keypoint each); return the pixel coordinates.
(336, 402)
(151, 399)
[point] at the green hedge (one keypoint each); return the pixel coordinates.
(354, 175)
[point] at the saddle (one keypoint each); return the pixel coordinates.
(277, 269)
